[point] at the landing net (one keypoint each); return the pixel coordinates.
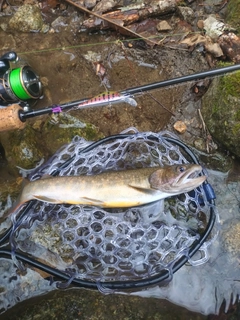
(121, 244)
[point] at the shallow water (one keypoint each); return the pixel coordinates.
(206, 286)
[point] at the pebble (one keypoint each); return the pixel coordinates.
(163, 26)
(180, 127)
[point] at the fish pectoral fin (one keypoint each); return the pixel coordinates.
(45, 199)
(83, 200)
(141, 189)
(93, 201)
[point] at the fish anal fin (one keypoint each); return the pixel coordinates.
(83, 200)
(93, 201)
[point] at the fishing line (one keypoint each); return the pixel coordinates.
(84, 45)
(163, 275)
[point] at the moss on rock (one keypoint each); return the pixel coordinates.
(55, 135)
(28, 18)
(221, 111)
(21, 148)
(233, 14)
(25, 148)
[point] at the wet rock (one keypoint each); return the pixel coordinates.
(221, 111)
(25, 148)
(186, 14)
(89, 4)
(234, 172)
(57, 132)
(215, 161)
(83, 304)
(28, 18)
(21, 149)
(166, 6)
(104, 6)
(59, 22)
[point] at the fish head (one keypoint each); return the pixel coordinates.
(177, 179)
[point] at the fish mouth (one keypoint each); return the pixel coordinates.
(190, 179)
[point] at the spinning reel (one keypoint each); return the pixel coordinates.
(17, 84)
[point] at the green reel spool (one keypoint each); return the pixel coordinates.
(19, 84)
(25, 83)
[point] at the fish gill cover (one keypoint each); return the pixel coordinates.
(112, 245)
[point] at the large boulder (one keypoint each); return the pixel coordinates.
(221, 113)
(28, 18)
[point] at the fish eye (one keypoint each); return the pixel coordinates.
(181, 168)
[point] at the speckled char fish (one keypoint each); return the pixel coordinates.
(114, 189)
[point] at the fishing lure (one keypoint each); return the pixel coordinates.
(105, 98)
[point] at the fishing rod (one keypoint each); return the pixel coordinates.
(14, 117)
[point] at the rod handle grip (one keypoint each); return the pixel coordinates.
(9, 118)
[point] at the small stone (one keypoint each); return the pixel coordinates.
(163, 26)
(180, 127)
(4, 26)
(200, 24)
(200, 144)
(186, 14)
(89, 4)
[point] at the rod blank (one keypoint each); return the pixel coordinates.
(13, 117)
(191, 77)
(139, 89)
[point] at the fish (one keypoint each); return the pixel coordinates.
(114, 189)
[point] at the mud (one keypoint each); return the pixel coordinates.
(60, 60)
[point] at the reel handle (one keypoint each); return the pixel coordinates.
(10, 118)
(4, 61)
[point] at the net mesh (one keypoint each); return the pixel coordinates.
(121, 244)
